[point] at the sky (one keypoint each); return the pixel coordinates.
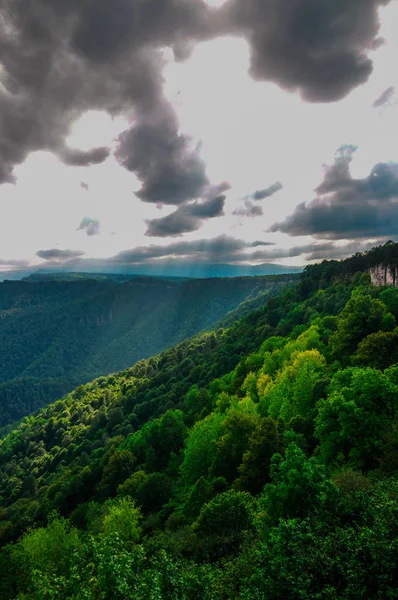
(142, 132)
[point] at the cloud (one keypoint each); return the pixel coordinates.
(329, 250)
(213, 249)
(347, 208)
(13, 262)
(337, 175)
(384, 98)
(250, 210)
(6, 173)
(59, 255)
(190, 216)
(310, 252)
(91, 226)
(60, 59)
(84, 186)
(318, 49)
(219, 250)
(267, 192)
(167, 162)
(224, 249)
(81, 158)
(98, 55)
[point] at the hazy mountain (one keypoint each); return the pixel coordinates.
(59, 330)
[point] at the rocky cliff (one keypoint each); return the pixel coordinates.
(384, 275)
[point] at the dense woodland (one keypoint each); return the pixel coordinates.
(58, 331)
(256, 461)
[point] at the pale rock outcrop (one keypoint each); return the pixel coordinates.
(384, 275)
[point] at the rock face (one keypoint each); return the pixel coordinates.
(384, 275)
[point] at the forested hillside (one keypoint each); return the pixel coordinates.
(60, 330)
(252, 462)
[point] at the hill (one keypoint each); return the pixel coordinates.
(66, 276)
(255, 461)
(60, 330)
(168, 270)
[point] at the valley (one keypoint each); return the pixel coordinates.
(253, 461)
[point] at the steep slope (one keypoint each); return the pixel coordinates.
(56, 334)
(258, 461)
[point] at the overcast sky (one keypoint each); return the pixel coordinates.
(134, 131)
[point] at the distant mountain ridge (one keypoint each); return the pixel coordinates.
(173, 270)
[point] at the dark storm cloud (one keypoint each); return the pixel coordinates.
(315, 47)
(91, 226)
(186, 218)
(347, 208)
(384, 98)
(81, 158)
(267, 192)
(108, 29)
(164, 160)
(59, 255)
(250, 210)
(62, 58)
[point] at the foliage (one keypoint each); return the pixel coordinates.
(59, 331)
(253, 461)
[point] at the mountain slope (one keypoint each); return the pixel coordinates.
(56, 334)
(257, 461)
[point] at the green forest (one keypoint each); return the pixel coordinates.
(255, 461)
(58, 331)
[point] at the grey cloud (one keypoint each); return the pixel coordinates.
(347, 208)
(98, 55)
(186, 218)
(91, 226)
(329, 250)
(218, 246)
(384, 98)
(108, 29)
(6, 173)
(84, 186)
(267, 192)
(173, 225)
(337, 175)
(164, 160)
(318, 49)
(219, 250)
(81, 158)
(213, 207)
(13, 262)
(59, 255)
(250, 210)
(60, 59)
(312, 251)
